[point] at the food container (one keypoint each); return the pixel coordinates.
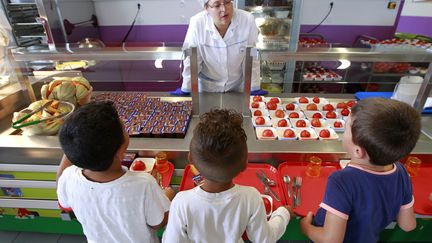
(149, 164)
(281, 14)
(275, 122)
(264, 112)
(313, 135)
(261, 105)
(300, 113)
(268, 204)
(267, 122)
(280, 133)
(294, 123)
(310, 114)
(46, 127)
(273, 114)
(331, 122)
(259, 132)
(333, 134)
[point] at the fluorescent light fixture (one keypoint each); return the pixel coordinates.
(158, 63)
(344, 64)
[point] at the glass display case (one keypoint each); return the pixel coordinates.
(279, 25)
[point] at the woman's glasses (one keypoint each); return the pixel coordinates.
(218, 5)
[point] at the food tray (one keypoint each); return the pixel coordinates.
(422, 189)
(247, 178)
(166, 177)
(312, 189)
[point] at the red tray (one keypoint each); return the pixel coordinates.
(166, 177)
(247, 178)
(312, 189)
(422, 189)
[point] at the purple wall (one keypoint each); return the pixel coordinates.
(346, 35)
(144, 33)
(415, 25)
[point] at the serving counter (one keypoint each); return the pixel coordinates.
(31, 161)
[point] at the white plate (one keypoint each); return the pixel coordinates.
(267, 99)
(261, 105)
(271, 204)
(294, 123)
(301, 114)
(309, 114)
(298, 98)
(266, 124)
(280, 131)
(252, 96)
(275, 121)
(322, 101)
(304, 107)
(344, 162)
(322, 107)
(330, 123)
(149, 164)
(312, 132)
(263, 111)
(333, 134)
(273, 114)
(338, 116)
(259, 131)
(323, 123)
(296, 107)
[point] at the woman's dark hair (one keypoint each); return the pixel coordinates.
(387, 129)
(218, 147)
(92, 135)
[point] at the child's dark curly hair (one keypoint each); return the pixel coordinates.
(218, 147)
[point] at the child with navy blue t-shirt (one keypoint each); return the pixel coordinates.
(374, 189)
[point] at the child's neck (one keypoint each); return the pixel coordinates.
(366, 165)
(216, 187)
(113, 173)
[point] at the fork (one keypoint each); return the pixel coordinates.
(299, 182)
(294, 191)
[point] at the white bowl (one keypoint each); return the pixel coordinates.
(281, 14)
(333, 134)
(149, 164)
(280, 131)
(275, 122)
(312, 132)
(267, 122)
(260, 130)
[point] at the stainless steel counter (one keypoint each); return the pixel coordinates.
(46, 149)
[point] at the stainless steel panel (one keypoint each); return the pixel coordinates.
(109, 53)
(28, 203)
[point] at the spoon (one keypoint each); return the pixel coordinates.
(287, 181)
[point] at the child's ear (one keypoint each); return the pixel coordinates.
(359, 152)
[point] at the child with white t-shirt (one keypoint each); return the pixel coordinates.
(374, 188)
(112, 203)
(219, 210)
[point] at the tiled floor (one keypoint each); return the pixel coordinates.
(29, 237)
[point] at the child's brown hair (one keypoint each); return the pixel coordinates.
(218, 147)
(387, 129)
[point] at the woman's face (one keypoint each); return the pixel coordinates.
(221, 11)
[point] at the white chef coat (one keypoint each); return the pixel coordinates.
(221, 60)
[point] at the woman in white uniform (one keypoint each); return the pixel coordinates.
(221, 35)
